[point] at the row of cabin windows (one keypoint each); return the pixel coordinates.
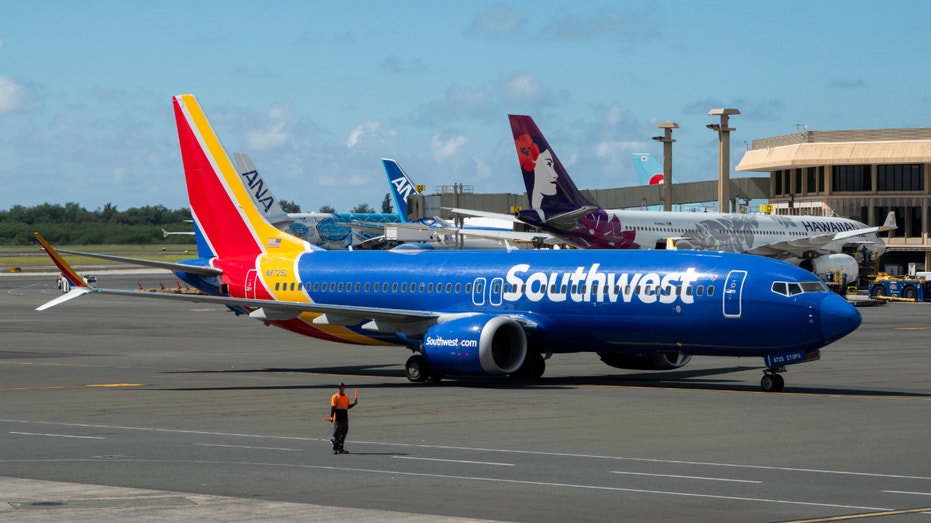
(728, 231)
(368, 286)
(699, 290)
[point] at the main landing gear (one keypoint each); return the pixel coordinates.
(772, 381)
(418, 371)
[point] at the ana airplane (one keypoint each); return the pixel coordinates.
(813, 242)
(331, 231)
(489, 312)
(439, 233)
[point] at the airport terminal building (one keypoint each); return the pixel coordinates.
(862, 175)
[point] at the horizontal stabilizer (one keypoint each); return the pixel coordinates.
(74, 293)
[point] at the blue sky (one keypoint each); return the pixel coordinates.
(318, 92)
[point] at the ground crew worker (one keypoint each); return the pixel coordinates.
(339, 415)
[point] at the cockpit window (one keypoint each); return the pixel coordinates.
(791, 288)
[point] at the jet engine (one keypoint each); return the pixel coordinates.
(481, 344)
(832, 263)
(645, 361)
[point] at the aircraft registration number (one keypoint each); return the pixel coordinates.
(276, 272)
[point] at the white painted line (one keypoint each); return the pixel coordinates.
(57, 435)
(684, 477)
(457, 461)
(906, 492)
(246, 447)
(477, 449)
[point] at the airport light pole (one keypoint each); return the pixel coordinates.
(724, 156)
(667, 161)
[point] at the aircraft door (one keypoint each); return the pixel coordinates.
(478, 291)
(251, 283)
(733, 293)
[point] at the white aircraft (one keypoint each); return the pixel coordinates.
(815, 243)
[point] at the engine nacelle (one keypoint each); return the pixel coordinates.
(832, 263)
(481, 344)
(645, 361)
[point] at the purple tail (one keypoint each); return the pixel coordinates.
(556, 204)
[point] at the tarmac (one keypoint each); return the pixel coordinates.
(52, 501)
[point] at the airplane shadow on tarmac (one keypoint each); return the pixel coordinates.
(697, 379)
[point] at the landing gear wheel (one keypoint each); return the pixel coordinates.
(772, 383)
(416, 368)
(533, 367)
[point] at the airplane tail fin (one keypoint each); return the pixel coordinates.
(549, 187)
(889, 224)
(224, 213)
(259, 191)
(649, 169)
(401, 186)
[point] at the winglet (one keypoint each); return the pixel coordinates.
(66, 270)
(889, 224)
(80, 287)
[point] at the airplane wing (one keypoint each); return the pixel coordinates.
(799, 246)
(168, 266)
(414, 322)
(484, 214)
(567, 220)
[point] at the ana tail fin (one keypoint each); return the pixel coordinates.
(649, 170)
(549, 188)
(222, 208)
(401, 186)
(259, 191)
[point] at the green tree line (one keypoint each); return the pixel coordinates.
(71, 224)
(75, 225)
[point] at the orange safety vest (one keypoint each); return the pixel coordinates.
(340, 401)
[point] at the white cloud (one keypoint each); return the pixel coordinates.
(12, 95)
(364, 128)
(446, 149)
(269, 138)
(614, 150)
(369, 132)
(524, 88)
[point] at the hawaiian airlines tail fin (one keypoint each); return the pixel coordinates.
(554, 199)
(549, 187)
(649, 169)
(401, 186)
(557, 205)
(223, 211)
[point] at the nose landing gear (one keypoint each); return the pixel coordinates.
(772, 381)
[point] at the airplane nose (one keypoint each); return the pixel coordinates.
(838, 317)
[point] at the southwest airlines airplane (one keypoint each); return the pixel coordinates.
(488, 312)
(558, 207)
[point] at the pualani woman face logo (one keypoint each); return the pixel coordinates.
(541, 164)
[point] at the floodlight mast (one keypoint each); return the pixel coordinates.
(724, 156)
(667, 161)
